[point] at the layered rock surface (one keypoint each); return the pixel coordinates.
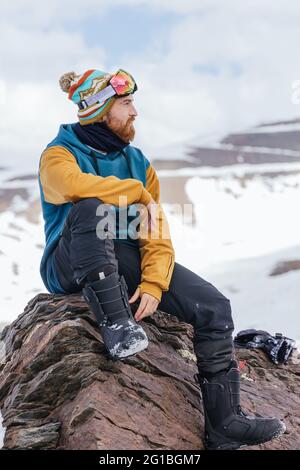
(58, 389)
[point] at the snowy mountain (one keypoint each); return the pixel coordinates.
(276, 135)
(267, 143)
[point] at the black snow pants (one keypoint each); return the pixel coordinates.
(189, 297)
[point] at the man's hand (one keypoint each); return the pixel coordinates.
(147, 307)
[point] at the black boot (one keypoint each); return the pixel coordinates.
(226, 425)
(108, 299)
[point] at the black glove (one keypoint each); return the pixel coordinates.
(278, 348)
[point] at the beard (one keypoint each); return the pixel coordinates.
(126, 131)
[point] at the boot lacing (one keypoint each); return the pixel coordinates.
(233, 394)
(114, 300)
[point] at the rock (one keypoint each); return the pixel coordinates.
(285, 267)
(3, 325)
(59, 390)
(39, 437)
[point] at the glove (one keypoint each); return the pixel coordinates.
(278, 348)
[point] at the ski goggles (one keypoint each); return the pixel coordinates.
(121, 84)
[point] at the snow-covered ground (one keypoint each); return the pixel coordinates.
(258, 300)
(246, 223)
(21, 245)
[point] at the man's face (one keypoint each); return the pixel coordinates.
(120, 118)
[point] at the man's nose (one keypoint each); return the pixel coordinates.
(133, 111)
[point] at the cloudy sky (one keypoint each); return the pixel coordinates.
(203, 67)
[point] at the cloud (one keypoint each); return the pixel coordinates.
(33, 101)
(34, 55)
(253, 54)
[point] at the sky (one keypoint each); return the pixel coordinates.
(203, 68)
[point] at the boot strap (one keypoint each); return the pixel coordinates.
(124, 297)
(122, 284)
(234, 393)
(92, 299)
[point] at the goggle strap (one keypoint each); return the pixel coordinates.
(103, 95)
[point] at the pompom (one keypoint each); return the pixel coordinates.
(66, 80)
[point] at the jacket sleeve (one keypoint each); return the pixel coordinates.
(157, 254)
(63, 181)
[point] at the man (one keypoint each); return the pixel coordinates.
(85, 174)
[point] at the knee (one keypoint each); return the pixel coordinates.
(215, 320)
(86, 208)
(83, 215)
(213, 342)
(87, 205)
(224, 316)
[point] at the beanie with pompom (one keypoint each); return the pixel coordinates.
(80, 87)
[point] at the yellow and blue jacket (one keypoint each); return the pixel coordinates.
(70, 170)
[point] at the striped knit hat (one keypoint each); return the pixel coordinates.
(81, 87)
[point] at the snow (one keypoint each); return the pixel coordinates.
(242, 230)
(19, 265)
(292, 127)
(180, 151)
(256, 149)
(234, 170)
(258, 300)
(21, 245)
(2, 432)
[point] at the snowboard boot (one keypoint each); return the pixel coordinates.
(226, 425)
(108, 300)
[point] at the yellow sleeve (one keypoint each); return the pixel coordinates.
(157, 254)
(63, 181)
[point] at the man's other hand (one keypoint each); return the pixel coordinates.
(148, 304)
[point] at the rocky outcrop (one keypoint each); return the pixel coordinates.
(58, 389)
